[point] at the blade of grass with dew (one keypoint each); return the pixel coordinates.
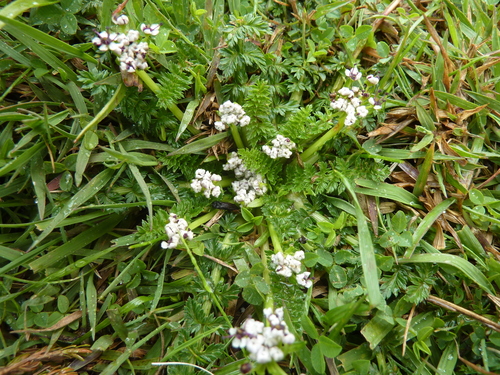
(75, 244)
(188, 116)
(145, 190)
(13, 26)
(366, 251)
(461, 264)
(43, 53)
(89, 143)
(83, 195)
(18, 162)
(91, 296)
(388, 191)
(38, 179)
(200, 145)
(18, 7)
(427, 222)
(133, 158)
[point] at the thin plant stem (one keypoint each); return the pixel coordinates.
(205, 283)
(265, 274)
(236, 136)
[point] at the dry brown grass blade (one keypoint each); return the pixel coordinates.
(31, 362)
(407, 329)
(477, 368)
(60, 324)
(452, 307)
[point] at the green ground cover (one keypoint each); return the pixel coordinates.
(226, 187)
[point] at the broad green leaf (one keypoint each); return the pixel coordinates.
(378, 328)
(309, 327)
(318, 361)
(329, 348)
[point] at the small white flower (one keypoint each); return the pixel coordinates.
(120, 20)
(346, 91)
(372, 79)
(303, 279)
(353, 74)
(153, 29)
(133, 35)
(362, 111)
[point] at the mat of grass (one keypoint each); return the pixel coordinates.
(355, 203)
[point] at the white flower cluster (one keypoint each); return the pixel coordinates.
(132, 55)
(290, 264)
(204, 181)
(176, 229)
(263, 342)
(231, 113)
(250, 184)
(349, 100)
(281, 148)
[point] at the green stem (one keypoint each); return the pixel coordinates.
(236, 136)
(206, 286)
(202, 219)
(153, 86)
(265, 274)
(274, 238)
(307, 154)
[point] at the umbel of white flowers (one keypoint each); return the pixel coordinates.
(290, 264)
(263, 342)
(231, 114)
(350, 100)
(281, 147)
(204, 181)
(176, 229)
(248, 187)
(131, 54)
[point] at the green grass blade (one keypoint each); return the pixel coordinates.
(425, 168)
(44, 54)
(188, 116)
(91, 295)
(455, 261)
(388, 191)
(145, 190)
(448, 360)
(19, 161)
(366, 251)
(75, 244)
(427, 222)
(83, 195)
(18, 28)
(200, 145)
(18, 7)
